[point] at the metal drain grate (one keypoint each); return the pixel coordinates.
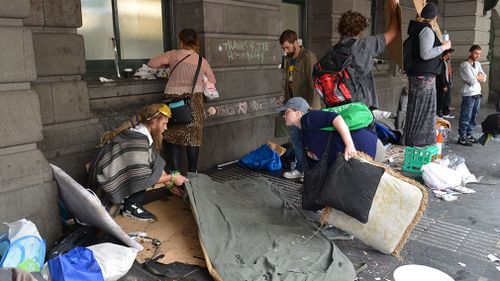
(456, 238)
(289, 189)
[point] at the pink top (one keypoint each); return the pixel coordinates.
(181, 80)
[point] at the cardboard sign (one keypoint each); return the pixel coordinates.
(395, 48)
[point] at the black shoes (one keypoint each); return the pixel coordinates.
(471, 138)
(464, 141)
(137, 212)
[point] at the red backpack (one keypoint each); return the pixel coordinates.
(334, 75)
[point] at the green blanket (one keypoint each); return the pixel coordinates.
(251, 233)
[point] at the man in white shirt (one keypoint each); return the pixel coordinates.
(472, 74)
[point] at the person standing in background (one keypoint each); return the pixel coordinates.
(419, 129)
(298, 65)
(472, 74)
(183, 63)
(444, 82)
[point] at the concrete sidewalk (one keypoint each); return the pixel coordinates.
(463, 231)
(449, 233)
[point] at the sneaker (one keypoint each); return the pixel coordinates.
(471, 138)
(464, 141)
(448, 116)
(293, 174)
(137, 212)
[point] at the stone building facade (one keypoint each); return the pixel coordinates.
(51, 112)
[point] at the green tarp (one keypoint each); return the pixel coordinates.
(250, 232)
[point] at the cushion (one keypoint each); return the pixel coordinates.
(350, 187)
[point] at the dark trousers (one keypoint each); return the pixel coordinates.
(468, 112)
(136, 198)
(192, 153)
(443, 100)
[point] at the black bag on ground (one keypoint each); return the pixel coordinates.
(350, 187)
(181, 109)
(314, 179)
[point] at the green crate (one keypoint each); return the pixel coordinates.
(416, 157)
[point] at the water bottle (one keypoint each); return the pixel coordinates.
(446, 36)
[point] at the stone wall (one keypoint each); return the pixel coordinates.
(69, 131)
(467, 25)
(27, 188)
(240, 41)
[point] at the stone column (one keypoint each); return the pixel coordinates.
(27, 188)
(323, 20)
(495, 55)
(240, 41)
(69, 132)
(466, 24)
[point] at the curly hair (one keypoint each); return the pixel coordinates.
(352, 24)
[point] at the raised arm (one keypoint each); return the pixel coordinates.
(394, 29)
(345, 134)
(160, 61)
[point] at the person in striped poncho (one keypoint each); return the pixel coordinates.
(128, 161)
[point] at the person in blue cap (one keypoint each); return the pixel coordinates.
(297, 113)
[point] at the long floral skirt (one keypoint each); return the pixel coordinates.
(420, 125)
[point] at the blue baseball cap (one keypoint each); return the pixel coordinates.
(297, 103)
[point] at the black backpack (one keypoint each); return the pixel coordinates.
(491, 125)
(408, 58)
(334, 77)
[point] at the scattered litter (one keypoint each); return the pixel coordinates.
(377, 278)
(105, 80)
(391, 160)
(497, 230)
(463, 189)
(365, 253)
(493, 258)
(449, 197)
(462, 264)
(137, 234)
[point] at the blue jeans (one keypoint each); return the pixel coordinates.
(468, 112)
(296, 136)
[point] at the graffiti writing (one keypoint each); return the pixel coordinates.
(245, 50)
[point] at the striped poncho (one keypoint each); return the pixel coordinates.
(125, 165)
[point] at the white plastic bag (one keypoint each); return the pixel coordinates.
(20, 228)
(440, 177)
(209, 89)
(115, 260)
(26, 249)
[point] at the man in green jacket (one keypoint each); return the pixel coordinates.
(298, 66)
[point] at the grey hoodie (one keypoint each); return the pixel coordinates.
(468, 73)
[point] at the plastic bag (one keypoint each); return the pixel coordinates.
(440, 177)
(23, 248)
(263, 158)
(115, 260)
(76, 265)
(209, 89)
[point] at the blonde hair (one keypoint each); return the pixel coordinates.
(146, 116)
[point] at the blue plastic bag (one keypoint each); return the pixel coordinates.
(77, 264)
(385, 134)
(263, 158)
